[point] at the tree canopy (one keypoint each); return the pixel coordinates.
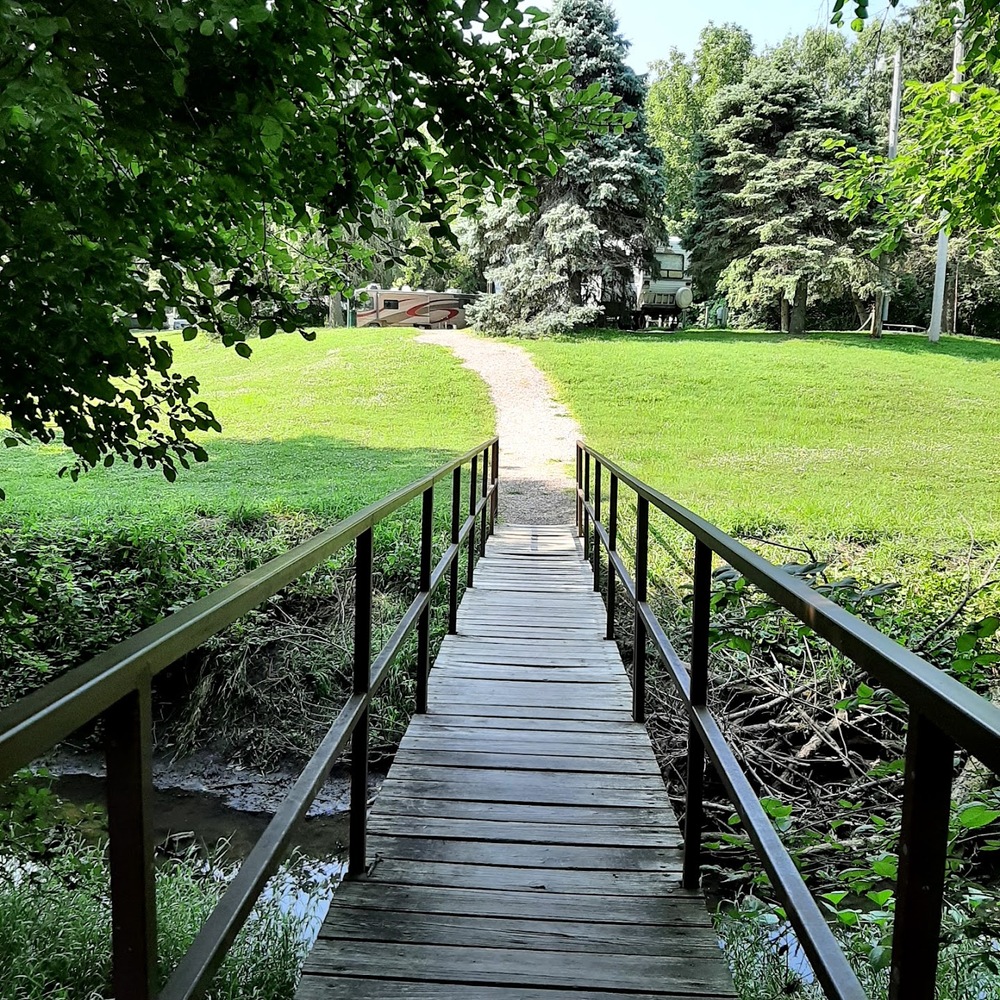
(949, 154)
(678, 101)
(948, 159)
(563, 265)
(156, 156)
(762, 229)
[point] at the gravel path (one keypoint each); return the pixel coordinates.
(537, 437)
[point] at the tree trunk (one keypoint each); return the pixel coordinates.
(797, 325)
(334, 310)
(576, 288)
(786, 314)
(859, 308)
(876, 327)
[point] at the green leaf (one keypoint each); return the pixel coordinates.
(887, 867)
(880, 898)
(207, 27)
(988, 627)
(243, 349)
(976, 816)
(271, 134)
(880, 957)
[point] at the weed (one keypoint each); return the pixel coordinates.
(55, 911)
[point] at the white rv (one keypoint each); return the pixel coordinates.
(662, 298)
(403, 307)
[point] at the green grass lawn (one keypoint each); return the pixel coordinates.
(312, 432)
(836, 436)
(321, 427)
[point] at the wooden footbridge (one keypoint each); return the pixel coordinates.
(522, 845)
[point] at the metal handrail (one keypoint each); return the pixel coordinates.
(116, 685)
(944, 713)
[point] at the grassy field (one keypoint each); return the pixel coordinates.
(828, 437)
(320, 427)
(311, 433)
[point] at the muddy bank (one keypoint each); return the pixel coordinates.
(202, 799)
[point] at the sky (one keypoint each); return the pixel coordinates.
(655, 26)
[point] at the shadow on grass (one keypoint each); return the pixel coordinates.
(328, 478)
(966, 348)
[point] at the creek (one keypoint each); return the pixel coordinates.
(205, 808)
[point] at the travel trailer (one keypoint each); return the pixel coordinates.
(403, 307)
(662, 298)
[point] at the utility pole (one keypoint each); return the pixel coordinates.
(941, 267)
(880, 309)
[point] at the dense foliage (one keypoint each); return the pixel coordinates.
(885, 206)
(947, 164)
(678, 102)
(161, 157)
(763, 231)
(572, 260)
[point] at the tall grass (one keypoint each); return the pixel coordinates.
(768, 964)
(55, 926)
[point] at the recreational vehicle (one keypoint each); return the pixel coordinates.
(403, 307)
(662, 297)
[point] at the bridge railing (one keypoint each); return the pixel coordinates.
(116, 686)
(943, 714)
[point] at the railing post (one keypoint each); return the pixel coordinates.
(612, 547)
(482, 516)
(424, 623)
(129, 756)
(579, 486)
(695, 797)
(357, 853)
(586, 496)
(495, 481)
(639, 626)
(923, 854)
(470, 569)
(456, 513)
(597, 519)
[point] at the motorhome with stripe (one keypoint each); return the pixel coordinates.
(421, 309)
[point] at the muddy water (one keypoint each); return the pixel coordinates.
(204, 817)
(184, 819)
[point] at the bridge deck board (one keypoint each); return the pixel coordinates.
(522, 845)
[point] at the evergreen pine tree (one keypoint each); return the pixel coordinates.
(764, 231)
(597, 217)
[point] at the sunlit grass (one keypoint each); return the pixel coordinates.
(320, 427)
(825, 437)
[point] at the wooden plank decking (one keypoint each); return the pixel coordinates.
(522, 845)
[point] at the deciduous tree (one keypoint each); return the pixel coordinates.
(678, 100)
(147, 147)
